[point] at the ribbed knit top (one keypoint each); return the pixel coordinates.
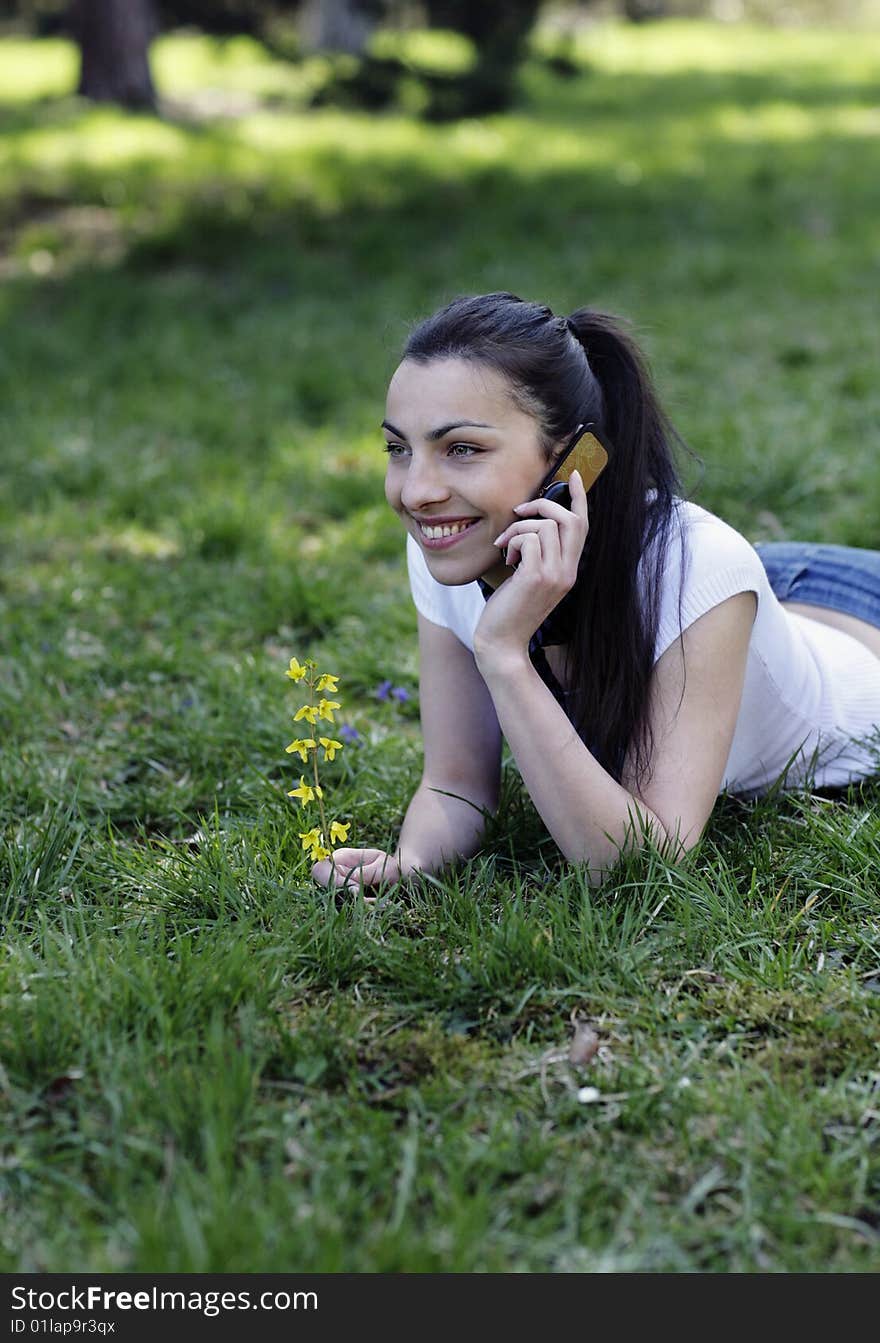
(810, 709)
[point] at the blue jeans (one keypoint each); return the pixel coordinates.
(842, 577)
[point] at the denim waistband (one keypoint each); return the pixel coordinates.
(843, 578)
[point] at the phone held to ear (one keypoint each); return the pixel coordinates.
(585, 453)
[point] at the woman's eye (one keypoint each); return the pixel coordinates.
(392, 448)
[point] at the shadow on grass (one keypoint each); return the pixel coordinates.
(587, 90)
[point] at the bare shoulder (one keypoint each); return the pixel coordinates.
(460, 729)
(695, 695)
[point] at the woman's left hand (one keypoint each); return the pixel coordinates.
(549, 546)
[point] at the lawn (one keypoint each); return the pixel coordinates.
(209, 1064)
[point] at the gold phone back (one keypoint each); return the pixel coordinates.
(588, 457)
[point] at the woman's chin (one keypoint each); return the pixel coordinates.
(445, 569)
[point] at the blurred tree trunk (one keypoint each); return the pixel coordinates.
(336, 25)
(499, 30)
(641, 11)
(114, 39)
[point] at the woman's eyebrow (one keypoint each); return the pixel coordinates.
(443, 429)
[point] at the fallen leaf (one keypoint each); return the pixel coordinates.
(584, 1045)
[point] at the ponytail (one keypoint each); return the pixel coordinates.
(620, 581)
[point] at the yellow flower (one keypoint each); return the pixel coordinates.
(305, 793)
(311, 838)
(314, 840)
(301, 746)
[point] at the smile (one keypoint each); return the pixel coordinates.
(440, 538)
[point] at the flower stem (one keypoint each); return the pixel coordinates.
(319, 797)
(325, 833)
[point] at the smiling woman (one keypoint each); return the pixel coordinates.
(637, 653)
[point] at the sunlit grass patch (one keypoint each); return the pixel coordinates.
(30, 71)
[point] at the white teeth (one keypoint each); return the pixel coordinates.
(449, 529)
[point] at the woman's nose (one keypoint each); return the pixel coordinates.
(424, 484)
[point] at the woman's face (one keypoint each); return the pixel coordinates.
(459, 449)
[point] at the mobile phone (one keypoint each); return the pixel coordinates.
(584, 452)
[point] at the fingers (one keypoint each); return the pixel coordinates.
(326, 875)
(549, 546)
(554, 540)
(564, 520)
(363, 878)
(350, 869)
(332, 872)
(354, 865)
(561, 532)
(549, 508)
(578, 494)
(548, 532)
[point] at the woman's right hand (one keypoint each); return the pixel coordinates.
(357, 868)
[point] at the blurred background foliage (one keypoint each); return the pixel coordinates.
(114, 38)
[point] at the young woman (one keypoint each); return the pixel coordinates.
(637, 653)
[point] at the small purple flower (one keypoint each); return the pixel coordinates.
(400, 694)
(349, 733)
(382, 692)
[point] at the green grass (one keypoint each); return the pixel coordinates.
(206, 1063)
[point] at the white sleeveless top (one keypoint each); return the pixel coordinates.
(810, 708)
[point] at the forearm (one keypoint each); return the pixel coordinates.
(591, 817)
(438, 829)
